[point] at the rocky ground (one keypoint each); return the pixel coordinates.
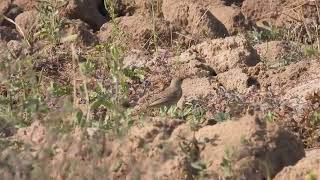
(74, 72)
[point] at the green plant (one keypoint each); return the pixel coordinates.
(134, 73)
(244, 140)
(117, 166)
(175, 112)
(27, 96)
(192, 112)
(154, 23)
(295, 54)
(111, 6)
(310, 51)
(270, 117)
(59, 90)
(315, 119)
(49, 19)
(265, 34)
(221, 117)
(227, 164)
(197, 117)
(23, 98)
(312, 175)
(194, 168)
(104, 99)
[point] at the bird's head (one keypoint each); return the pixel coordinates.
(176, 82)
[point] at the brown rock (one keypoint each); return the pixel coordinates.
(7, 33)
(190, 65)
(230, 16)
(298, 94)
(306, 168)
(224, 54)
(216, 56)
(291, 79)
(26, 21)
(12, 13)
(238, 82)
(195, 17)
(4, 6)
(15, 47)
(138, 31)
(34, 134)
(280, 13)
(260, 9)
(26, 5)
(136, 59)
(252, 145)
(274, 53)
(86, 10)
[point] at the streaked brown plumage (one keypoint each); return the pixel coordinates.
(170, 96)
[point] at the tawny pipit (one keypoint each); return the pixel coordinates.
(170, 96)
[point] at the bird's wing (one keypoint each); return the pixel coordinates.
(164, 97)
(159, 99)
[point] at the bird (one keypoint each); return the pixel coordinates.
(168, 97)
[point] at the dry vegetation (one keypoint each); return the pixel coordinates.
(73, 73)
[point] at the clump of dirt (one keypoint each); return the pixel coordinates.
(279, 53)
(231, 17)
(308, 167)
(168, 146)
(26, 21)
(7, 34)
(194, 18)
(239, 83)
(88, 11)
(142, 35)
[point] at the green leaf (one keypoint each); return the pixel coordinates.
(79, 117)
(96, 104)
(116, 167)
(198, 165)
